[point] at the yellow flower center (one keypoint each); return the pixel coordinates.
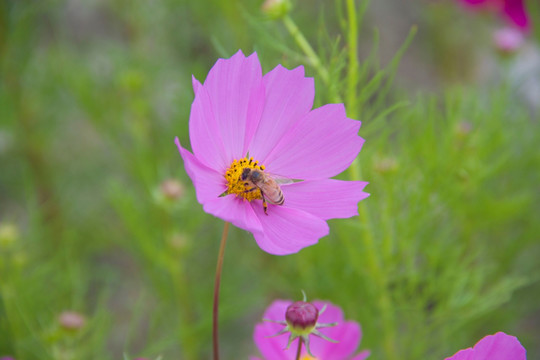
(239, 187)
(307, 357)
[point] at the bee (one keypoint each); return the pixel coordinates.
(256, 179)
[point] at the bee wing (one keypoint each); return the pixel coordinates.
(281, 180)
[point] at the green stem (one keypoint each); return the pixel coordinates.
(302, 42)
(189, 343)
(372, 257)
(352, 76)
(215, 312)
(377, 273)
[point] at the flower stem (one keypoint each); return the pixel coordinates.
(299, 351)
(376, 270)
(302, 42)
(215, 312)
(352, 75)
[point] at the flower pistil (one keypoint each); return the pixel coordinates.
(235, 184)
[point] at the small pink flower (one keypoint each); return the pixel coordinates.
(346, 333)
(514, 10)
(241, 120)
(508, 40)
(493, 347)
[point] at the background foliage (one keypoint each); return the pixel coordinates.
(92, 94)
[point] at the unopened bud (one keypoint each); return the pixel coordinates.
(71, 320)
(276, 9)
(9, 233)
(301, 317)
(385, 165)
(463, 128)
(179, 242)
(508, 40)
(172, 189)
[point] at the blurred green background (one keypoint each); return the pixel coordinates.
(98, 216)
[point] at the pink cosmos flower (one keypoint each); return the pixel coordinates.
(493, 347)
(242, 120)
(513, 10)
(347, 333)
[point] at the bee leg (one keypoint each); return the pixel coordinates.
(265, 205)
(252, 189)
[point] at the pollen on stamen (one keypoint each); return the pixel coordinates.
(238, 187)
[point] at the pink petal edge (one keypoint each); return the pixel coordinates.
(272, 347)
(499, 346)
(208, 183)
(237, 95)
(321, 145)
(206, 142)
(288, 97)
(286, 230)
(326, 199)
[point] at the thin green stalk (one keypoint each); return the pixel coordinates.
(352, 75)
(376, 270)
(372, 257)
(215, 311)
(302, 42)
(180, 279)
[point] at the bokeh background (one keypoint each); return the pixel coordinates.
(98, 216)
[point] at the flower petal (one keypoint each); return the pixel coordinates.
(289, 96)
(234, 210)
(321, 145)
(362, 355)
(493, 347)
(205, 141)
(347, 333)
(273, 347)
(465, 354)
(499, 347)
(209, 184)
(475, 2)
(286, 230)
(515, 10)
(332, 313)
(326, 199)
(236, 92)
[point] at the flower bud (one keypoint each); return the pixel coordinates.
(508, 40)
(71, 320)
(172, 189)
(179, 242)
(385, 165)
(301, 317)
(276, 9)
(463, 129)
(8, 235)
